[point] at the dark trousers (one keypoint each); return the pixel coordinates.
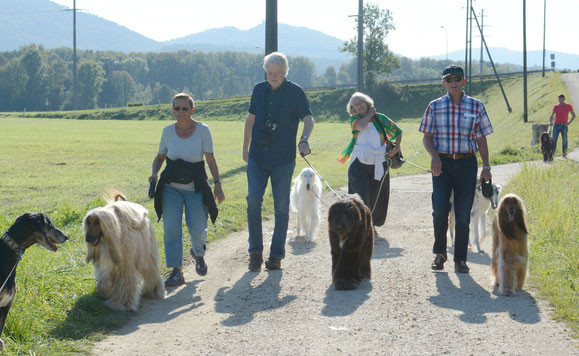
(458, 175)
(361, 180)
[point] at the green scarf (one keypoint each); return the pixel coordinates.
(390, 131)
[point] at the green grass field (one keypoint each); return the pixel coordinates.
(62, 167)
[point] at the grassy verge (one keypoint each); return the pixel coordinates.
(61, 167)
(550, 197)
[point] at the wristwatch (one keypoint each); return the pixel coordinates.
(487, 167)
(304, 138)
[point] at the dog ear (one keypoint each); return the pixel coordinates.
(520, 219)
(111, 230)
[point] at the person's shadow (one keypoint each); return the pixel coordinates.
(476, 302)
(299, 245)
(382, 249)
(242, 301)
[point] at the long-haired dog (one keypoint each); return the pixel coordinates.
(547, 147)
(478, 216)
(27, 230)
(121, 244)
(305, 201)
(352, 242)
(510, 251)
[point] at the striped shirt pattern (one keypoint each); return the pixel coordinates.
(456, 127)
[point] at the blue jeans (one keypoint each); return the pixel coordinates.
(560, 128)
(458, 175)
(281, 178)
(196, 214)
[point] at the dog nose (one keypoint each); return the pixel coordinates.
(307, 186)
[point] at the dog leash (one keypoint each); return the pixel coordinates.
(415, 165)
(322, 178)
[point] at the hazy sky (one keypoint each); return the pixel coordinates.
(418, 22)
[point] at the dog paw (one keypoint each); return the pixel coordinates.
(346, 284)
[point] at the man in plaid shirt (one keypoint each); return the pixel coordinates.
(455, 127)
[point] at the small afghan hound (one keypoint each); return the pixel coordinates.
(121, 243)
(510, 255)
(305, 200)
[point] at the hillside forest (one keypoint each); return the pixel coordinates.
(33, 78)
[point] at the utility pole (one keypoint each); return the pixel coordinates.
(270, 26)
(470, 52)
(75, 105)
(360, 45)
(482, 14)
(544, 30)
(524, 60)
(446, 31)
(466, 43)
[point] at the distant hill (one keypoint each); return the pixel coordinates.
(534, 58)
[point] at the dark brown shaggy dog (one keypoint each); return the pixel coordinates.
(352, 242)
(547, 147)
(510, 252)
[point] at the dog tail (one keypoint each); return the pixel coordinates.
(112, 195)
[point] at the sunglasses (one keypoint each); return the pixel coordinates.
(181, 108)
(450, 79)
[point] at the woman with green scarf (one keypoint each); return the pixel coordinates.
(368, 174)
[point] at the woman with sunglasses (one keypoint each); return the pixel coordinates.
(183, 183)
(368, 174)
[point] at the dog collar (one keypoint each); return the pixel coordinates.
(13, 245)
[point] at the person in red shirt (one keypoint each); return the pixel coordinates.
(561, 113)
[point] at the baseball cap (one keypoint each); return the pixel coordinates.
(452, 70)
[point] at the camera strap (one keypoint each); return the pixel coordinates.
(277, 110)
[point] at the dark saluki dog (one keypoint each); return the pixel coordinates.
(27, 230)
(547, 147)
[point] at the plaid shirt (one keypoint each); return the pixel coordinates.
(456, 127)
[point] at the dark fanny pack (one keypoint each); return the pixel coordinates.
(182, 173)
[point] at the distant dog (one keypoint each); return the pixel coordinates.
(352, 242)
(510, 252)
(121, 243)
(28, 229)
(305, 200)
(547, 147)
(478, 216)
(538, 130)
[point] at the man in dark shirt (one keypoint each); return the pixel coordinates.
(269, 148)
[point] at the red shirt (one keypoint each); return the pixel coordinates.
(562, 113)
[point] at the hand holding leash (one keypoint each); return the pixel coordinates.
(305, 152)
(152, 183)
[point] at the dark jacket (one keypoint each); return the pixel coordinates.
(179, 171)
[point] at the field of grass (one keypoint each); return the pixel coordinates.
(554, 241)
(61, 167)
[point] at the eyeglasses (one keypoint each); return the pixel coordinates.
(450, 79)
(181, 108)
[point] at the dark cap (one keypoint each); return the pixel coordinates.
(452, 70)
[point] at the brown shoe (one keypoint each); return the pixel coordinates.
(461, 267)
(255, 261)
(438, 263)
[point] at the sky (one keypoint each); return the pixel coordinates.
(423, 27)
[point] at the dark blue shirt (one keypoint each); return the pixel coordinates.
(285, 107)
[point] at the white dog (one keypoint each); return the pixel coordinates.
(305, 200)
(478, 215)
(121, 243)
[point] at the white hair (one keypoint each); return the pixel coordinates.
(276, 58)
(357, 95)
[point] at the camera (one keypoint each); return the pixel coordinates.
(268, 129)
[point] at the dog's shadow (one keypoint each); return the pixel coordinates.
(346, 302)
(89, 315)
(475, 302)
(243, 300)
(382, 249)
(300, 246)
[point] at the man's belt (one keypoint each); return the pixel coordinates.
(457, 155)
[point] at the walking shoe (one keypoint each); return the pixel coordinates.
(461, 267)
(273, 263)
(200, 265)
(255, 261)
(175, 279)
(439, 260)
(564, 154)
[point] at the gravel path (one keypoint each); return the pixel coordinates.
(404, 309)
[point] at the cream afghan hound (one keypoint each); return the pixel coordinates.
(121, 244)
(305, 201)
(510, 255)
